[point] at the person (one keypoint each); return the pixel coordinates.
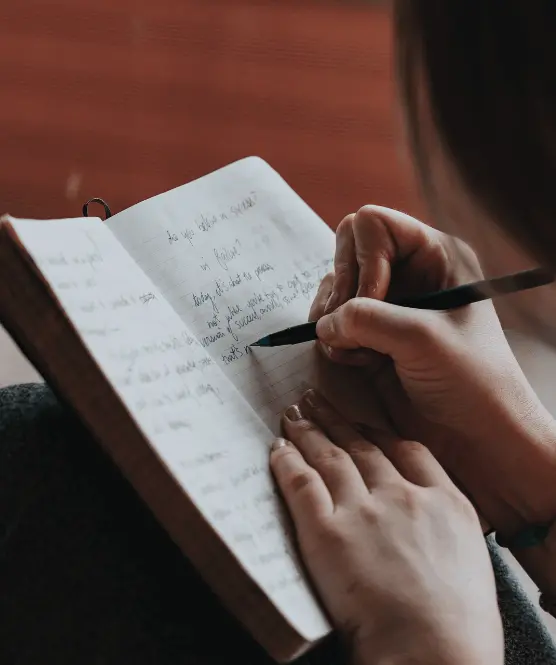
(394, 547)
(388, 519)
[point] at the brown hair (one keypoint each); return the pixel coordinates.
(489, 68)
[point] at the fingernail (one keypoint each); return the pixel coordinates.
(278, 443)
(293, 413)
(311, 398)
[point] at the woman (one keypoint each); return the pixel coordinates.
(383, 529)
(395, 549)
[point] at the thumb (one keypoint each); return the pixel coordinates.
(368, 323)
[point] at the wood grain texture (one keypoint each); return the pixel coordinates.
(127, 99)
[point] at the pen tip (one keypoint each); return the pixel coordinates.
(264, 341)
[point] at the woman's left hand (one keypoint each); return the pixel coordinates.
(395, 550)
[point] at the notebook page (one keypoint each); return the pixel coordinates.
(238, 254)
(198, 424)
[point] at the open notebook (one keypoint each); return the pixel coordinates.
(142, 323)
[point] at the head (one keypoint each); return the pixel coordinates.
(478, 81)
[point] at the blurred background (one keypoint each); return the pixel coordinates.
(124, 99)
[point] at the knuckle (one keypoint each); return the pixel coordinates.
(345, 224)
(331, 455)
(304, 427)
(342, 268)
(409, 500)
(467, 258)
(282, 455)
(354, 316)
(328, 279)
(366, 214)
(437, 248)
(462, 503)
(362, 450)
(328, 534)
(409, 447)
(373, 223)
(467, 252)
(371, 512)
(299, 481)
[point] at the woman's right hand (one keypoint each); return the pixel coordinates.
(448, 379)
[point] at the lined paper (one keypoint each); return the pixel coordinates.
(205, 433)
(238, 254)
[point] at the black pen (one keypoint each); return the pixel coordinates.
(459, 296)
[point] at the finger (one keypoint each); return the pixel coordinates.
(413, 460)
(367, 358)
(304, 491)
(323, 294)
(345, 266)
(352, 357)
(388, 329)
(334, 465)
(384, 237)
(375, 468)
(416, 462)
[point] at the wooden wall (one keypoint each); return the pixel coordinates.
(127, 98)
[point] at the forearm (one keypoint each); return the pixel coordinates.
(430, 657)
(515, 483)
(429, 646)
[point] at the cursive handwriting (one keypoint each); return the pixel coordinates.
(146, 298)
(262, 268)
(226, 255)
(201, 430)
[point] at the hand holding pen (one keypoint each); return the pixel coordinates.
(458, 296)
(447, 379)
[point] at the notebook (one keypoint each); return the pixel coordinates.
(142, 323)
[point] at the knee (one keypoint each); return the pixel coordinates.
(30, 412)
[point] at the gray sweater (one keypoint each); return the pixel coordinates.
(87, 576)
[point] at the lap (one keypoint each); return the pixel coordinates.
(88, 576)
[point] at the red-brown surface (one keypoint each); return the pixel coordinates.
(125, 99)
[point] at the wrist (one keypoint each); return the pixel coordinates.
(530, 497)
(515, 484)
(516, 487)
(539, 561)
